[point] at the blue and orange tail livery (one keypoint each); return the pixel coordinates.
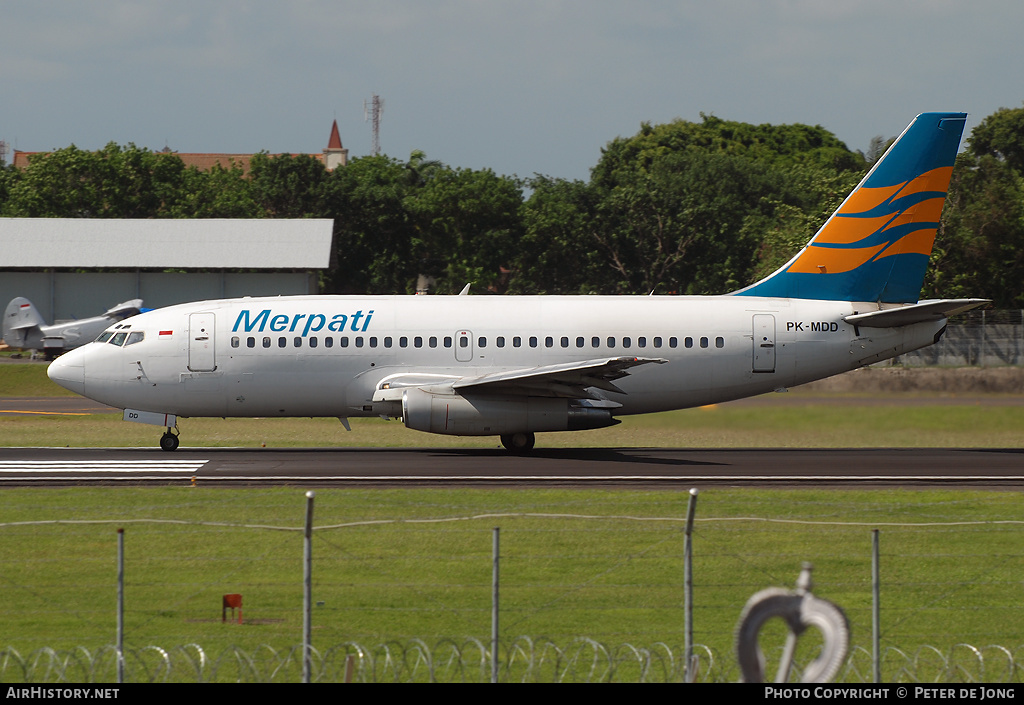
(876, 246)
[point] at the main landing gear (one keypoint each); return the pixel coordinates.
(518, 442)
(169, 441)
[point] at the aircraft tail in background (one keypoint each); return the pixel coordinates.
(20, 318)
(876, 246)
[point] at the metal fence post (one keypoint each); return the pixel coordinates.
(691, 510)
(120, 605)
(307, 597)
(494, 608)
(876, 654)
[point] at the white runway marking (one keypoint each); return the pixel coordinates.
(98, 466)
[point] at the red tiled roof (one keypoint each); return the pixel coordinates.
(200, 160)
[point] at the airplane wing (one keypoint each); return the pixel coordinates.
(126, 309)
(916, 313)
(573, 380)
(569, 379)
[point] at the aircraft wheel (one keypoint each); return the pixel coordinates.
(169, 441)
(518, 442)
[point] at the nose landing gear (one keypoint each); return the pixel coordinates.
(169, 441)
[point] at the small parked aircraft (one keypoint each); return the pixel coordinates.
(25, 329)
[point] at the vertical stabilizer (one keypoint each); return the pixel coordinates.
(876, 246)
(20, 318)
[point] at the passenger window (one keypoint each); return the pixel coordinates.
(234, 341)
(626, 342)
(343, 341)
(403, 342)
(328, 342)
(313, 342)
(641, 342)
(481, 342)
(266, 342)
(298, 341)
(359, 341)
(500, 341)
(579, 341)
(250, 342)
(688, 342)
(564, 341)
(673, 342)
(657, 341)
(447, 341)
(719, 342)
(611, 342)
(463, 341)
(418, 341)
(373, 341)
(135, 337)
(282, 342)
(517, 342)
(703, 342)
(433, 341)
(549, 341)
(595, 342)
(387, 341)
(533, 341)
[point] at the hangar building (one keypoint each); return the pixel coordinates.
(76, 268)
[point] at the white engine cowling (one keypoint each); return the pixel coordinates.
(458, 415)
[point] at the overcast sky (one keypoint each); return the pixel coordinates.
(517, 86)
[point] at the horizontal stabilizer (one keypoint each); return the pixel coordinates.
(915, 313)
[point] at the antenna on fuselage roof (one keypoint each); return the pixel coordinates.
(465, 289)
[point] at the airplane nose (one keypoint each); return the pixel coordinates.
(69, 372)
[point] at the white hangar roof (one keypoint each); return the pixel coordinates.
(165, 243)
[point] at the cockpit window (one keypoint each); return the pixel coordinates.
(135, 337)
(118, 338)
(104, 336)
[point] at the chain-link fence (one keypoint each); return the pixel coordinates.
(411, 599)
(975, 338)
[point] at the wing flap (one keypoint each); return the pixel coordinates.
(568, 379)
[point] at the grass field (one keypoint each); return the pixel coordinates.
(609, 567)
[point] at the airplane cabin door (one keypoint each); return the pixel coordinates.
(201, 342)
(464, 346)
(764, 342)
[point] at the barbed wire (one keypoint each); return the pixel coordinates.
(524, 659)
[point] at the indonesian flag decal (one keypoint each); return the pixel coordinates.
(166, 333)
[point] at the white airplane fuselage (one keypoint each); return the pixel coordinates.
(330, 355)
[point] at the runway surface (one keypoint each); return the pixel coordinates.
(607, 468)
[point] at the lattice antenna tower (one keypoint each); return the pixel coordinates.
(371, 113)
(3, 152)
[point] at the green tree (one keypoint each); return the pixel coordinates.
(373, 234)
(469, 222)
(979, 248)
(216, 193)
(286, 186)
(556, 254)
(1001, 135)
(115, 182)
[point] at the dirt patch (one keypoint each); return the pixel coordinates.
(950, 380)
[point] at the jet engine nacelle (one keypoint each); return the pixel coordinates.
(455, 414)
